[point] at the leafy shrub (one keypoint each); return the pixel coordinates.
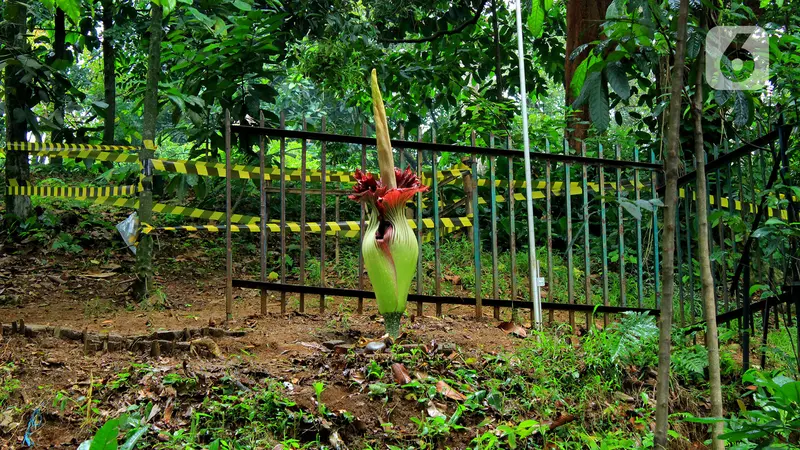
(633, 340)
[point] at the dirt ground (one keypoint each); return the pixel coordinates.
(86, 293)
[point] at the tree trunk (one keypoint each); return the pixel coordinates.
(706, 279)
(668, 243)
(498, 74)
(144, 252)
(109, 74)
(59, 50)
(584, 18)
(17, 94)
(109, 77)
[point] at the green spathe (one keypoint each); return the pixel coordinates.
(390, 272)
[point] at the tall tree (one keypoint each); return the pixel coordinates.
(144, 252)
(584, 20)
(672, 163)
(17, 108)
(109, 74)
(59, 53)
(706, 279)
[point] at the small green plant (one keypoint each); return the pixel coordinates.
(432, 430)
(8, 384)
(66, 243)
(107, 437)
(630, 337)
(775, 421)
(319, 388)
(375, 370)
(521, 431)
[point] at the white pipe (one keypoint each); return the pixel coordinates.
(534, 273)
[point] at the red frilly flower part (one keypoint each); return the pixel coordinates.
(372, 190)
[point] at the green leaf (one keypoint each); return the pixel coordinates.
(722, 97)
(694, 42)
(130, 443)
(536, 18)
(761, 232)
(618, 80)
(106, 436)
(715, 216)
(632, 209)
(71, 8)
(775, 221)
(742, 109)
(598, 101)
(207, 21)
(242, 5)
(644, 204)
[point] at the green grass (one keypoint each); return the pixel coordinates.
(510, 396)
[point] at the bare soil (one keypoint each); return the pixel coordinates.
(89, 292)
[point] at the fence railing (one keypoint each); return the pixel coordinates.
(740, 185)
(479, 190)
(598, 214)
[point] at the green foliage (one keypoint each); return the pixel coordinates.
(8, 384)
(66, 243)
(631, 337)
(132, 426)
(690, 361)
(774, 421)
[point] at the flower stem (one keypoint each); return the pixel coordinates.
(392, 323)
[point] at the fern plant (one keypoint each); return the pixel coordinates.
(633, 340)
(690, 362)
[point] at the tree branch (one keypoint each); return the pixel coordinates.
(440, 33)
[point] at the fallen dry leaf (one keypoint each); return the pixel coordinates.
(434, 411)
(445, 389)
(513, 328)
(315, 346)
(168, 411)
(97, 275)
(400, 373)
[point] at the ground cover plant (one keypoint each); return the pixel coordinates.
(663, 188)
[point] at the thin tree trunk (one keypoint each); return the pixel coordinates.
(668, 262)
(109, 74)
(497, 56)
(706, 279)
(17, 166)
(584, 18)
(109, 77)
(59, 50)
(144, 252)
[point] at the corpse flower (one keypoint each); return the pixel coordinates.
(389, 247)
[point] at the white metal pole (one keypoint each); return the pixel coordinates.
(534, 272)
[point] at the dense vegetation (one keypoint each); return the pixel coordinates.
(599, 76)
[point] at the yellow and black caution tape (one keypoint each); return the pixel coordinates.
(55, 146)
(90, 154)
(312, 227)
(163, 208)
(738, 205)
(15, 188)
(239, 171)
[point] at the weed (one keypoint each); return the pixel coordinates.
(66, 243)
(8, 384)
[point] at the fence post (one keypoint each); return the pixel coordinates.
(476, 235)
(228, 249)
(263, 227)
